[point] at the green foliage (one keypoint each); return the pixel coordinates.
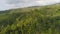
(43, 20)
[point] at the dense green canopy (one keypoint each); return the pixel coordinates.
(36, 20)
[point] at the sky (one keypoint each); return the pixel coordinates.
(11, 4)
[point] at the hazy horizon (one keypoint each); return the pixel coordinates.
(9, 4)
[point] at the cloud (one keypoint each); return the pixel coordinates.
(47, 2)
(8, 4)
(31, 2)
(19, 1)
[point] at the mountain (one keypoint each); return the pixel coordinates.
(31, 20)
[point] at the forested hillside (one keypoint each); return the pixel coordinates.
(34, 20)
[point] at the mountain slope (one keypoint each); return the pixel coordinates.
(39, 20)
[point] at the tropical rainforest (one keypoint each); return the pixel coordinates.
(31, 20)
